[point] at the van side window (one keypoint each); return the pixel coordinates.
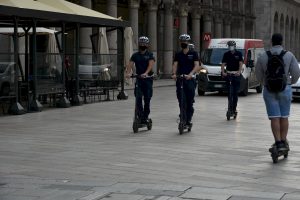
(9, 69)
(259, 52)
(2, 68)
(250, 58)
(249, 55)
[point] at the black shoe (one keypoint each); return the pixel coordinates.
(281, 146)
(277, 146)
(286, 144)
(145, 121)
(189, 123)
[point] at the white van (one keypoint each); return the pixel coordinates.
(210, 79)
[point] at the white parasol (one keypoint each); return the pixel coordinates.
(128, 47)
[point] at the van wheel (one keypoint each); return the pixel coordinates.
(244, 92)
(259, 89)
(5, 90)
(200, 92)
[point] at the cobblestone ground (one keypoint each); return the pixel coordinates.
(90, 153)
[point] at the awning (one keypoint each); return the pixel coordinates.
(39, 31)
(53, 12)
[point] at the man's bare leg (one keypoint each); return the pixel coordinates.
(284, 127)
(275, 126)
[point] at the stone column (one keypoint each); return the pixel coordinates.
(218, 22)
(227, 26)
(287, 35)
(134, 21)
(196, 35)
(207, 20)
(160, 41)
(242, 27)
(292, 38)
(152, 7)
(218, 25)
(252, 27)
(168, 38)
(296, 42)
(242, 19)
(85, 41)
(235, 27)
(183, 14)
(112, 10)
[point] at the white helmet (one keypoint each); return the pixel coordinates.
(184, 37)
(144, 40)
(231, 43)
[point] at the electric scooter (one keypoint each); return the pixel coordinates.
(275, 154)
(137, 121)
(182, 123)
(230, 112)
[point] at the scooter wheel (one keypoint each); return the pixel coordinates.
(189, 129)
(286, 155)
(135, 127)
(275, 159)
(181, 128)
(228, 115)
(149, 125)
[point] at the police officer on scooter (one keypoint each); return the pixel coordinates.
(143, 61)
(186, 62)
(233, 60)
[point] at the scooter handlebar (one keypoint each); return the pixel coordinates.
(182, 76)
(139, 76)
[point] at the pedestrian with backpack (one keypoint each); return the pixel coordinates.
(277, 69)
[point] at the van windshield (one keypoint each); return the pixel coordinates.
(215, 56)
(3, 67)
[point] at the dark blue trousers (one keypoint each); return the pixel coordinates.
(143, 88)
(233, 85)
(186, 97)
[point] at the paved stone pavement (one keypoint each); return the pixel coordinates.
(90, 153)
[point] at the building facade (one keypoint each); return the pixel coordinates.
(280, 16)
(164, 20)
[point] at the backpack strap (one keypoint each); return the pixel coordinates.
(269, 54)
(282, 53)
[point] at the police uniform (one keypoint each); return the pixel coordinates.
(232, 61)
(185, 66)
(143, 87)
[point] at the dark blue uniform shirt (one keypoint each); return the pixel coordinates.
(142, 61)
(232, 60)
(186, 61)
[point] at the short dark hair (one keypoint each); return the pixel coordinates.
(277, 39)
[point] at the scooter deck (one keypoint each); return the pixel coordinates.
(276, 154)
(231, 114)
(137, 125)
(142, 125)
(183, 128)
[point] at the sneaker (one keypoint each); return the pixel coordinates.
(286, 144)
(277, 146)
(281, 146)
(189, 123)
(145, 121)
